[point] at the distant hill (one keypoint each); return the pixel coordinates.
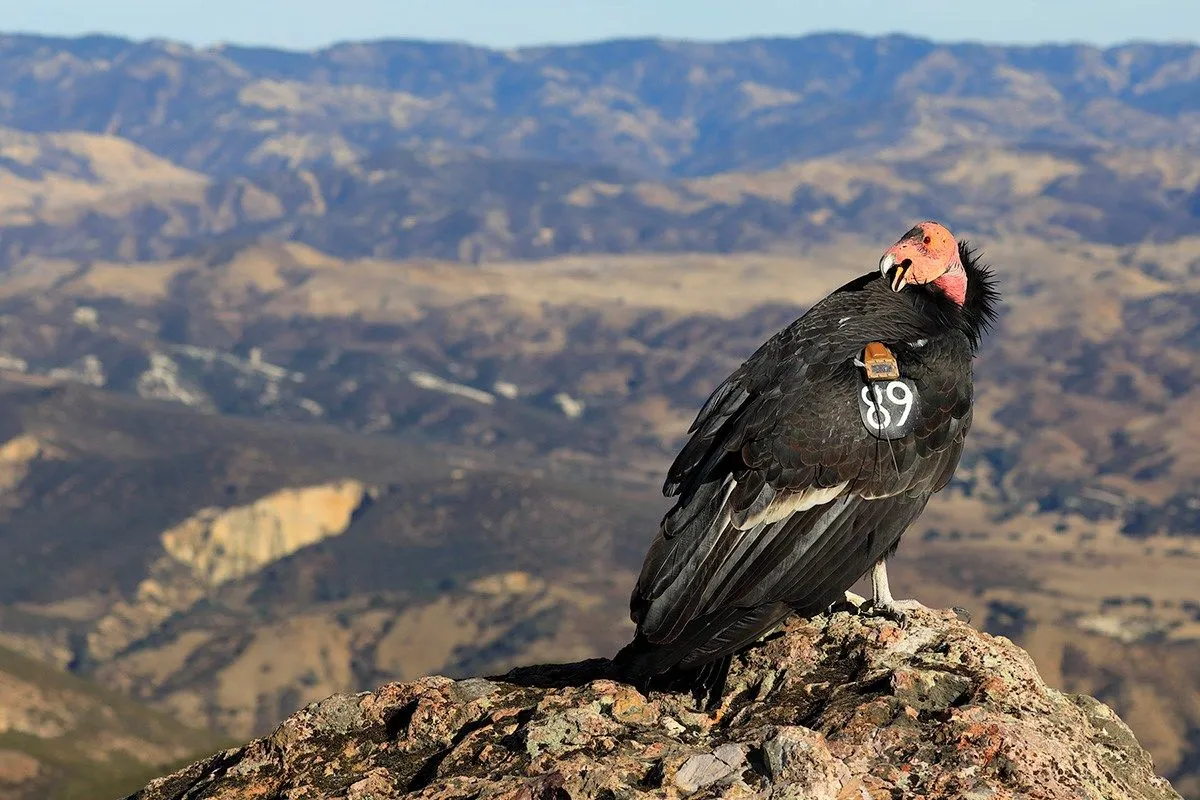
(657, 108)
(402, 149)
(65, 738)
(85, 198)
(172, 554)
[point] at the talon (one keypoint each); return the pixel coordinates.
(897, 611)
(883, 604)
(889, 613)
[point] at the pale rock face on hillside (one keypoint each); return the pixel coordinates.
(218, 545)
(17, 455)
(221, 545)
(836, 708)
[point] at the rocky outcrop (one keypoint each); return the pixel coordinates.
(17, 457)
(843, 707)
(220, 545)
(217, 545)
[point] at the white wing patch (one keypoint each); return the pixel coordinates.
(772, 507)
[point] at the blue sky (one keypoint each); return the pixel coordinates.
(304, 24)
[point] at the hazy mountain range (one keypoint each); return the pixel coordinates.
(376, 355)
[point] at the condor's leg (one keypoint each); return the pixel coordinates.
(882, 602)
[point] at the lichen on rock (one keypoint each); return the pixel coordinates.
(839, 707)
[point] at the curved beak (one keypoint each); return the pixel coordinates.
(898, 278)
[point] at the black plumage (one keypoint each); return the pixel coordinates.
(784, 498)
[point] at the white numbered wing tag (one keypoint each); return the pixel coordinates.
(889, 408)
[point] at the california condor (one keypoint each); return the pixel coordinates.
(808, 463)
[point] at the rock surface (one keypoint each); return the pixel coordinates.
(842, 707)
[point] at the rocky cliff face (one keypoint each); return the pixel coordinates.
(837, 708)
(217, 545)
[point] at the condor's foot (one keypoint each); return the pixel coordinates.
(888, 607)
(883, 604)
(897, 611)
(892, 609)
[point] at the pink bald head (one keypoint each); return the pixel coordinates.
(926, 255)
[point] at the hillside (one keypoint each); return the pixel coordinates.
(172, 554)
(400, 149)
(654, 107)
(68, 739)
(77, 199)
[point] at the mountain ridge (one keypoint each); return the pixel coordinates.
(643, 104)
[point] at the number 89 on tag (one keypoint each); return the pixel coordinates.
(889, 408)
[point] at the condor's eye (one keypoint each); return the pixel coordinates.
(927, 240)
